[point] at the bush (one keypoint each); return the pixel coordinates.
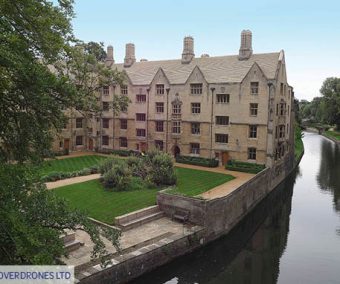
(198, 161)
(54, 176)
(138, 166)
(161, 171)
(107, 165)
(239, 166)
(117, 178)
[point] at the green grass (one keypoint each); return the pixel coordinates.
(333, 134)
(70, 164)
(106, 205)
(298, 148)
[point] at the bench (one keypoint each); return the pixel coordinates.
(181, 215)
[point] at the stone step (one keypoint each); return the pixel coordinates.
(127, 218)
(141, 220)
(73, 245)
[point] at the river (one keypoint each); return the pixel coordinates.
(292, 236)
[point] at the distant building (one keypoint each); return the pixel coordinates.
(224, 107)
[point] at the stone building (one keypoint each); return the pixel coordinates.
(224, 107)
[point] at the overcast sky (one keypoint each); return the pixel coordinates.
(308, 31)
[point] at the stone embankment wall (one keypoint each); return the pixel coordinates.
(218, 216)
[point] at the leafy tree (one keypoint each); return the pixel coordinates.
(96, 49)
(331, 96)
(42, 73)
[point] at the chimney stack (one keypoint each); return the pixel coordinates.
(109, 55)
(246, 49)
(129, 55)
(188, 50)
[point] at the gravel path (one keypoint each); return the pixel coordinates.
(63, 182)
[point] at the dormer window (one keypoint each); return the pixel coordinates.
(124, 90)
(160, 89)
(254, 88)
(196, 89)
(106, 90)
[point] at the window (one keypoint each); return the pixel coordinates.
(140, 98)
(105, 140)
(160, 89)
(196, 89)
(282, 109)
(281, 89)
(159, 126)
(222, 120)
(194, 148)
(176, 127)
(195, 128)
(176, 109)
(140, 132)
(254, 88)
(281, 131)
(221, 138)
(251, 153)
(106, 106)
(123, 142)
(106, 123)
(195, 108)
(277, 109)
(124, 108)
(124, 90)
(159, 144)
(79, 123)
(123, 124)
(252, 131)
(287, 128)
(253, 109)
(140, 116)
(222, 98)
(106, 90)
(79, 140)
(159, 107)
(276, 131)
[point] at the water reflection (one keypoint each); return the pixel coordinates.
(249, 254)
(328, 177)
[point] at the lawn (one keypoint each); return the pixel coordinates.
(106, 205)
(70, 164)
(334, 134)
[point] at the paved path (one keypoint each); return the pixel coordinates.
(219, 191)
(63, 182)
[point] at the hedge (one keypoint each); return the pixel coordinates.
(198, 161)
(54, 176)
(239, 166)
(122, 153)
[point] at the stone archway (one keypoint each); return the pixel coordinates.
(176, 151)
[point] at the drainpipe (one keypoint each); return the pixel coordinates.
(147, 119)
(167, 119)
(212, 119)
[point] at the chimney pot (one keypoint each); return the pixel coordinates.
(246, 49)
(129, 55)
(188, 49)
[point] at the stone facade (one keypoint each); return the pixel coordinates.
(228, 107)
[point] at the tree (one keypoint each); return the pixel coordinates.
(331, 95)
(42, 72)
(96, 49)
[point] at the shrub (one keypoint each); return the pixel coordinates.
(138, 166)
(239, 166)
(117, 178)
(198, 161)
(107, 164)
(161, 171)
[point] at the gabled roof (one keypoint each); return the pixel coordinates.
(219, 69)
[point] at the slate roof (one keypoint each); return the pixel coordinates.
(219, 69)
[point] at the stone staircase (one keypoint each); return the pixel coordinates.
(138, 218)
(70, 242)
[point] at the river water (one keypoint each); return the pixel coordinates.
(292, 236)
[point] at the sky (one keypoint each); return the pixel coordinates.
(308, 31)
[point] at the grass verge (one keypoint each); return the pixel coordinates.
(105, 205)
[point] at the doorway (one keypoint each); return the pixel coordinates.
(177, 151)
(90, 144)
(225, 158)
(67, 144)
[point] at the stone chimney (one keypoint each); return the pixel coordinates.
(246, 49)
(129, 55)
(109, 55)
(188, 50)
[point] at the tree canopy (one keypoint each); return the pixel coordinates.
(42, 72)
